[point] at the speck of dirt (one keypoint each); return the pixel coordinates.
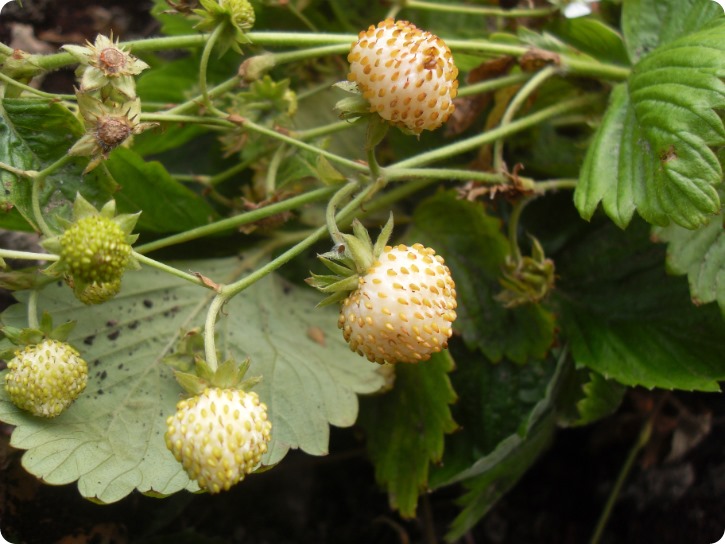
(100, 391)
(148, 303)
(120, 366)
(104, 375)
(96, 362)
(133, 325)
(88, 340)
(115, 334)
(111, 323)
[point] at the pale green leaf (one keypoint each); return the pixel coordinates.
(111, 440)
(701, 255)
(601, 398)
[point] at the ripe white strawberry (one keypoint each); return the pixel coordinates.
(403, 309)
(406, 74)
(46, 378)
(219, 436)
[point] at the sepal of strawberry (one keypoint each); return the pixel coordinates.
(528, 279)
(95, 250)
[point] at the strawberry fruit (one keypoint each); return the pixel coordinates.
(46, 378)
(406, 74)
(219, 436)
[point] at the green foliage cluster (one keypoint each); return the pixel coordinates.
(623, 109)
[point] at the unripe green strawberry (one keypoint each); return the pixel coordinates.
(406, 74)
(46, 378)
(95, 249)
(219, 436)
(97, 292)
(403, 308)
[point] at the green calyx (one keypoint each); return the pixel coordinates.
(527, 281)
(229, 375)
(234, 16)
(35, 335)
(95, 250)
(194, 374)
(348, 260)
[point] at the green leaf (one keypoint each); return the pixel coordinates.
(701, 255)
(35, 133)
(475, 250)
(111, 439)
(653, 152)
(503, 469)
(601, 398)
(496, 402)
(628, 321)
(167, 205)
(646, 24)
(592, 37)
(521, 402)
(405, 429)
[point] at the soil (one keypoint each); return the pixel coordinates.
(675, 493)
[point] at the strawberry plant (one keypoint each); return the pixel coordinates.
(456, 226)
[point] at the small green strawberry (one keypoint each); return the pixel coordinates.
(46, 378)
(95, 251)
(219, 436)
(398, 303)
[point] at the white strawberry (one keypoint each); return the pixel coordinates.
(406, 74)
(398, 303)
(219, 436)
(403, 309)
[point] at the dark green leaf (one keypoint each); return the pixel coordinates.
(405, 428)
(167, 205)
(701, 255)
(475, 250)
(35, 133)
(495, 403)
(601, 398)
(526, 424)
(649, 23)
(654, 150)
(628, 321)
(504, 467)
(592, 37)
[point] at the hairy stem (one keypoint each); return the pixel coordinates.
(238, 220)
(492, 135)
(203, 68)
(332, 206)
(514, 106)
(477, 10)
(33, 309)
(641, 442)
(169, 269)
(27, 255)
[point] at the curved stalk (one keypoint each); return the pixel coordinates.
(203, 65)
(513, 229)
(521, 96)
(331, 210)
